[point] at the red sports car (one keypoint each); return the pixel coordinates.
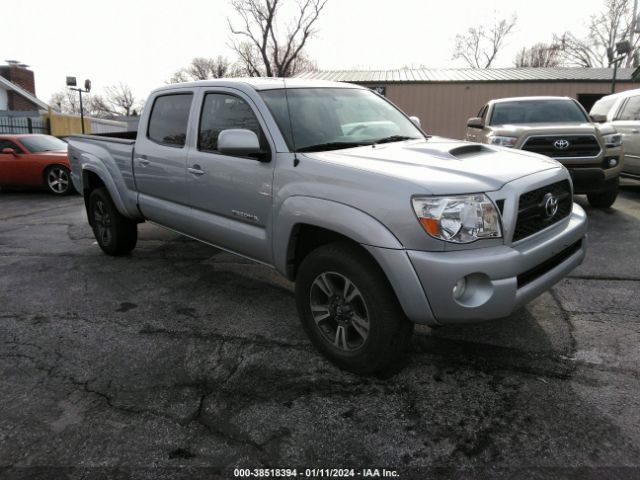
(35, 160)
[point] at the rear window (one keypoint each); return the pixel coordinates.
(537, 111)
(169, 118)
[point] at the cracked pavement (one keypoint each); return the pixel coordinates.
(182, 361)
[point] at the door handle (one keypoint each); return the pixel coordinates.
(143, 161)
(195, 170)
(635, 130)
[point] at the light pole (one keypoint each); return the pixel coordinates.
(71, 83)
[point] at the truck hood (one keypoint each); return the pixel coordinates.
(442, 166)
(544, 129)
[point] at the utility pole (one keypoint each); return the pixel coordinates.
(632, 34)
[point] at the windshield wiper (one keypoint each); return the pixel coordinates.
(394, 138)
(321, 147)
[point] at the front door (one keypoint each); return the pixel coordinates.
(628, 124)
(16, 169)
(231, 196)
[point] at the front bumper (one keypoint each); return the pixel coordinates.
(500, 279)
(594, 175)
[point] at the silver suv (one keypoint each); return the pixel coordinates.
(622, 110)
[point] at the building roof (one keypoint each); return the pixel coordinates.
(429, 75)
(4, 83)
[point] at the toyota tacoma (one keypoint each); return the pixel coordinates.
(380, 225)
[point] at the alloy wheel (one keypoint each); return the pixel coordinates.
(102, 222)
(339, 311)
(58, 180)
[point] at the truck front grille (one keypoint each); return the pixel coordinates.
(536, 211)
(563, 146)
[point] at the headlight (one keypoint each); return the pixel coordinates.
(612, 140)
(459, 219)
(502, 141)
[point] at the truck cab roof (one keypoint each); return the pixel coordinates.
(528, 99)
(260, 83)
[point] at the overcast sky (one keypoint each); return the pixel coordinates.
(141, 43)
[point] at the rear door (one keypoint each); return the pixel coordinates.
(231, 196)
(159, 160)
(627, 122)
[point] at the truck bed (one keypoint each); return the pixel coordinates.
(109, 157)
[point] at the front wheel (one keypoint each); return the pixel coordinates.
(116, 234)
(57, 179)
(604, 198)
(349, 310)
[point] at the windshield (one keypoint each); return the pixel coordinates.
(43, 143)
(333, 118)
(602, 107)
(537, 111)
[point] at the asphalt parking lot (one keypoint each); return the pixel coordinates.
(182, 361)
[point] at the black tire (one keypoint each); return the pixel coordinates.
(57, 180)
(388, 331)
(604, 198)
(116, 235)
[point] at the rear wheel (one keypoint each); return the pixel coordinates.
(57, 179)
(604, 198)
(116, 234)
(349, 310)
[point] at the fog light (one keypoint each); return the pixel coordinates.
(613, 162)
(459, 288)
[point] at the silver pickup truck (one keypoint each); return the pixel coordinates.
(379, 224)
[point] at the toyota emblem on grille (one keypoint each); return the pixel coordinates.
(561, 144)
(550, 202)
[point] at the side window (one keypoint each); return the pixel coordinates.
(221, 111)
(483, 113)
(631, 109)
(9, 144)
(169, 118)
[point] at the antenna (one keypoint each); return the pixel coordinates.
(293, 139)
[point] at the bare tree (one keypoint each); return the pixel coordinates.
(597, 48)
(65, 101)
(121, 99)
(96, 106)
(539, 55)
(117, 100)
(267, 48)
(202, 68)
(480, 45)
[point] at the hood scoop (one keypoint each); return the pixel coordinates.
(457, 153)
(468, 150)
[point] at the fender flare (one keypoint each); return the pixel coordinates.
(362, 228)
(338, 217)
(93, 165)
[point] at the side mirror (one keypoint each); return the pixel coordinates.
(415, 120)
(238, 141)
(598, 118)
(9, 151)
(475, 122)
